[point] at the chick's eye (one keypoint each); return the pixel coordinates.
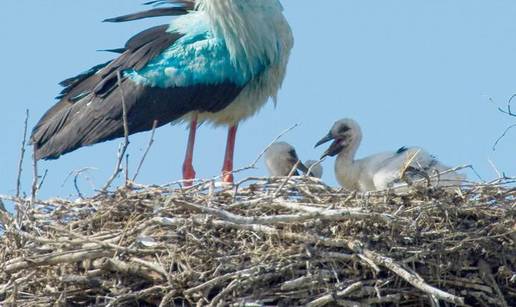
(343, 129)
(292, 153)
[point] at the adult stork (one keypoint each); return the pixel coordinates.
(218, 61)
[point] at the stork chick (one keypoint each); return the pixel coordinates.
(383, 170)
(281, 158)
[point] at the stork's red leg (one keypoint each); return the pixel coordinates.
(227, 169)
(188, 170)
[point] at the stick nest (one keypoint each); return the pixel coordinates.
(264, 242)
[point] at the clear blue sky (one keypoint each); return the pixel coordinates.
(412, 72)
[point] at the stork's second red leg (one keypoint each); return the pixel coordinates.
(227, 168)
(188, 170)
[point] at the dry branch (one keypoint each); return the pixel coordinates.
(125, 144)
(330, 298)
(22, 154)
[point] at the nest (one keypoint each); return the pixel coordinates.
(264, 242)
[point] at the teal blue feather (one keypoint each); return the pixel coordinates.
(199, 57)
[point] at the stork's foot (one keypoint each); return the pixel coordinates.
(188, 175)
(227, 177)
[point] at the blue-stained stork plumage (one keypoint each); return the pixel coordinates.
(218, 61)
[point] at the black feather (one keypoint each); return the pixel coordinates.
(146, 36)
(70, 83)
(116, 50)
(401, 150)
(179, 7)
(170, 11)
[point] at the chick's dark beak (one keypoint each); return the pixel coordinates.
(325, 139)
(334, 148)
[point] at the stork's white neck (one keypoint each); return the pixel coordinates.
(255, 31)
(346, 170)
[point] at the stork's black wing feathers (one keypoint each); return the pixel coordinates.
(146, 36)
(70, 82)
(180, 7)
(116, 50)
(137, 52)
(171, 11)
(90, 109)
(78, 126)
(102, 78)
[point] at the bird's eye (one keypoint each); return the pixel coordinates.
(343, 129)
(293, 153)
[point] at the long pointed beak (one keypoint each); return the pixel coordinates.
(325, 139)
(335, 147)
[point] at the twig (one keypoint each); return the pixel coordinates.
(391, 298)
(509, 103)
(16, 265)
(151, 141)
(125, 144)
(306, 281)
(126, 170)
(42, 181)
(318, 162)
(76, 174)
(35, 178)
(217, 280)
(22, 154)
(493, 166)
(290, 174)
(329, 214)
(503, 135)
(329, 298)
(407, 163)
(133, 268)
(152, 266)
